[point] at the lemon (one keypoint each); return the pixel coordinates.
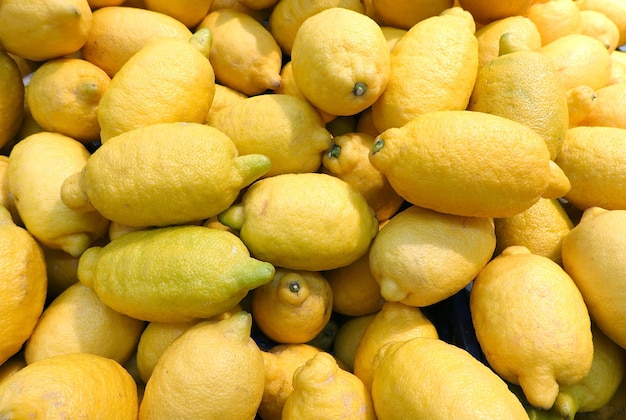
(614, 9)
(463, 163)
(418, 84)
(97, 4)
(172, 274)
(168, 80)
(163, 174)
(214, 370)
(580, 102)
(23, 285)
(348, 159)
(294, 307)
(348, 338)
(429, 378)
(600, 26)
(70, 385)
(65, 91)
(6, 199)
(614, 408)
(491, 10)
(14, 364)
(77, 321)
(591, 257)
(365, 123)
(43, 30)
(522, 85)
(61, 268)
(405, 14)
(489, 35)
(189, 12)
(542, 229)
(118, 32)
(608, 107)
(38, 165)
(591, 158)
(599, 386)
(12, 101)
(258, 4)
(532, 324)
(322, 388)
(285, 128)
(618, 71)
(350, 76)
(309, 221)
(555, 18)
(243, 53)
(281, 361)
(394, 322)
(224, 96)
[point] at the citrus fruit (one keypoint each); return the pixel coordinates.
(12, 101)
(348, 338)
(598, 25)
(614, 9)
(609, 107)
(555, 18)
(189, 12)
(488, 36)
(580, 102)
(405, 14)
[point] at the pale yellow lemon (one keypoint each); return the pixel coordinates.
(614, 9)
(555, 18)
(609, 107)
(600, 26)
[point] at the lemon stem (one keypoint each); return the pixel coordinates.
(378, 145)
(335, 151)
(359, 89)
(294, 287)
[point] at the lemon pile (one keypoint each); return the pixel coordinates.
(259, 209)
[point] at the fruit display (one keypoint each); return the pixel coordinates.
(322, 209)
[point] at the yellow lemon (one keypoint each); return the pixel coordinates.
(172, 274)
(288, 15)
(394, 322)
(6, 199)
(579, 60)
(258, 4)
(618, 71)
(412, 256)
(322, 388)
(277, 214)
(598, 25)
(77, 321)
(97, 4)
(405, 14)
(243, 53)
(153, 189)
(591, 256)
(488, 36)
(580, 102)
(224, 96)
(614, 9)
(532, 324)
(38, 165)
(63, 96)
(592, 158)
(485, 11)
(281, 361)
(541, 228)
(348, 338)
(70, 385)
(294, 307)
(260, 16)
(522, 85)
(609, 107)
(345, 79)
(285, 128)
(189, 12)
(555, 18)
(418, 84)
(40, 31)
(431, 379)
(218, 356)
(168, 80)
(463, 163)
(13, 365)
(599, 386)
(117, 33)
(23, 285)
(12, 101)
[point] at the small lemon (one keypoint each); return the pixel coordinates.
(489, 35)
(189, 12)
(12, 101)
(405, 14)
(609, 107)
(350, 76)
(348, 338)
(309, 221)
(172, 274)
(580, 102)
(555, 18)
(532, 324)
(598, 25)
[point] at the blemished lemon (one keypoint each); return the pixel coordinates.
(609, 107)
(555, 18)
(405, 14)
(243, 53)
(541, 228)
(40, 31)
(489, 35)
(598, 25)
(580, 102)
(281, 361)
(152, 190)
(288, 15)
(173, 274)
(348, 338)
(12, 100)
(70, 385)
(394, 322)
(458, 385)
(614, 9)
(422, 257)
(189, 12)
(478, 171)
(63, 96)
(599, 386)
(212, 355)
(591, 256)
(117, 33)
(348, 159)
(322, 388)
(524, 308)
(224, 96)
(168, 80)
(277, 214)
(418, 84)
(23, 285)
(591, 158)
(77, 321)
(522, 85)
(345, 79)
(38, 165)
(285, 128)
(294, 307)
